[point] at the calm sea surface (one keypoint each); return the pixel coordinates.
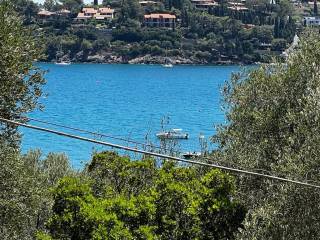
(127, 101)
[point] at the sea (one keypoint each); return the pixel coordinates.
(127, 105)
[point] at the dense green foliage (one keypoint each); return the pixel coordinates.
(217, 34)
(273, 125)
(25, 202)
(125, 199)
(25, 199)
(20, 81)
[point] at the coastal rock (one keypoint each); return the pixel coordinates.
(148, 59)
(109, 58)
(96, 58)
(78, 57)
(114, 59)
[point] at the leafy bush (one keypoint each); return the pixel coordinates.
(136, 200)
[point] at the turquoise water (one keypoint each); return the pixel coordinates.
(127, 101)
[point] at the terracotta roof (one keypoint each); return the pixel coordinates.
(160, 15)
(89, 10)
(106, 10)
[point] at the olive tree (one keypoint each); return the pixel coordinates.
(273, 115)
(20, 79)
(25, 182)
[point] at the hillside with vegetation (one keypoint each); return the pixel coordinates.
(204, 31)
(272, 127)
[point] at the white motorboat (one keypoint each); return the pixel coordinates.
(188, 155)
(63, 63)
(173, 134)
(167, 65)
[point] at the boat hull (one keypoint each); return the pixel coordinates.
(189, 155)
(172, 136)
(62, 63)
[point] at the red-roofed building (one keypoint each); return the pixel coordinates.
(44, 16)
(106, 12)
(160, 20)
(89, 11)
(98, 14)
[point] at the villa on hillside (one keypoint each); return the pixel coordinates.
(160, 20)
(45, 15)
(98, 14)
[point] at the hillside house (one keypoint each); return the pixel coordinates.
(90, 12)
(45, 15)
(160, 20)
(106, 13)
(98, 14)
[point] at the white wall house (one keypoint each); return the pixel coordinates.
(98, 14)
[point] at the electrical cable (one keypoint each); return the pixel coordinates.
(99, 134)
(234, 170)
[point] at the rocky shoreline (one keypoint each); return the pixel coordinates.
(147, 59)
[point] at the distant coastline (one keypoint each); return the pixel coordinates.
(148, 59)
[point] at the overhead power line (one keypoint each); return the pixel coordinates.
(234, 170)
(98, 134)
